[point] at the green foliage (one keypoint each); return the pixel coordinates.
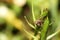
(44, 29)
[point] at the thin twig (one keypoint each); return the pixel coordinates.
(30, 34)
(33, 12)
(52, 35)
(29, 23)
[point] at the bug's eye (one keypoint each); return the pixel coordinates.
(38, 22)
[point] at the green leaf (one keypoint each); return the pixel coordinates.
(45, 13)
(44, 30)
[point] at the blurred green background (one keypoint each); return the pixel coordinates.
(29, 19)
